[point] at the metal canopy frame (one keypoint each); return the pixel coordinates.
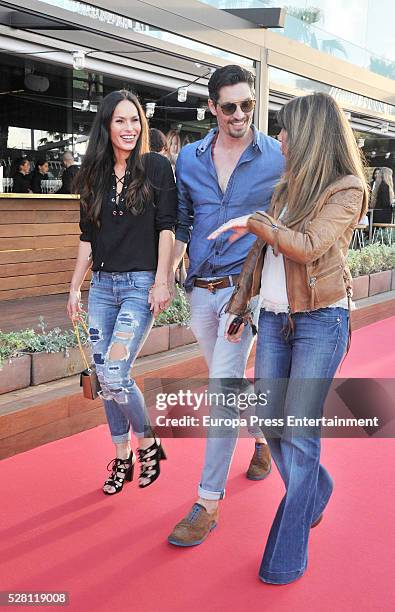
(47, 49)
(200, 22)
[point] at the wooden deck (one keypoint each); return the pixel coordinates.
(25, 313)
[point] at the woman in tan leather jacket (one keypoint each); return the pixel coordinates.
(298, 266)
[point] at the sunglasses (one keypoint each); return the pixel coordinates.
(246, 106)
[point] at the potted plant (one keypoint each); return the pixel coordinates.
(360, 281)
(378, 262)
(52, 354)
(171, 328)
(55, 353)
(15, 365)
(372, 269)
(178, 317)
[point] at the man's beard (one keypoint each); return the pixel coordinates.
(239, 133)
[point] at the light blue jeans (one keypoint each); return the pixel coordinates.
(119, 322)
(225, 361)
(297, 370)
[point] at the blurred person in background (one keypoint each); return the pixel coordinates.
(375, 175)
(69, 174)
(382, 198)
(40, 173)
(173, 147)
(21, 176)
(158, 142)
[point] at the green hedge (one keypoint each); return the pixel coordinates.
(370, 259)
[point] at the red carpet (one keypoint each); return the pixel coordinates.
(372, 352)
(59, 532)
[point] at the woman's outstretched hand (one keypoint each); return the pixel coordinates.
(238, 226)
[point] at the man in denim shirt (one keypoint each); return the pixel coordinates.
(228, 174)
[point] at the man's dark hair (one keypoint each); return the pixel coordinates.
(228, 75)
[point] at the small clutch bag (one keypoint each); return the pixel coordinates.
(88, 377)
(89, 383)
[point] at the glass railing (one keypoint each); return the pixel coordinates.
(317, 38)
(302, 30)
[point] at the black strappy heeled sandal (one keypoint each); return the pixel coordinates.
(150, 459)
(121, 470)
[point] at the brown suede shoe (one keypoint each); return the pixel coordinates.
(194, 528)
(261, 462)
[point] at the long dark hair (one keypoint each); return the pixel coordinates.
(94, 177)
(16, 165)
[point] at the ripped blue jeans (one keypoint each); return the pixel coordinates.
(119, 322)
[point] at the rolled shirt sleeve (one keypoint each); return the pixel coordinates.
(86, 227)
(165, 195)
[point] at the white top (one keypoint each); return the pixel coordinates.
(273, 294)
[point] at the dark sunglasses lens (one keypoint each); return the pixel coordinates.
(247, 106)
(229, 108)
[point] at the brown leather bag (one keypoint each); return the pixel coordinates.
(88, 377)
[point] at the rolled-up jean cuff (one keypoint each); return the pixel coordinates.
(256, 432)
(121, 438)
(141, 434)
(212, 495)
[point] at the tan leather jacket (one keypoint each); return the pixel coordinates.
(314, 251)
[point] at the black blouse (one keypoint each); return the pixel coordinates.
(126, 242)
(37, 177)
(21, 183)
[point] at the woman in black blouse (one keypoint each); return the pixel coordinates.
(382, 198)
(40, 174)
(21, 176)
(128, 213)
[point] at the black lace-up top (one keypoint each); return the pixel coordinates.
(126, 242)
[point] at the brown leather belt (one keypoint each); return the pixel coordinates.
(219, 283)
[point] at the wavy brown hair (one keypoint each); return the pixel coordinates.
(321, 149)
(93, 180)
